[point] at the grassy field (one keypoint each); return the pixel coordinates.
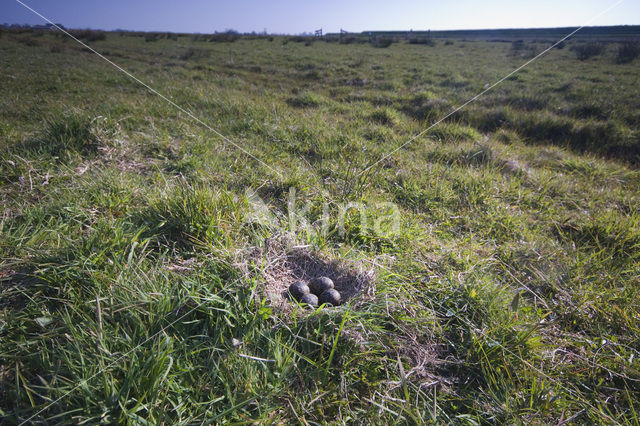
(550, 35)
(493, 263)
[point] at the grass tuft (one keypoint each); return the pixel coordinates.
(66, 134)
(628, 52)
(385, 116)
(305, 99)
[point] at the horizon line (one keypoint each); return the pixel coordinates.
(231, 30)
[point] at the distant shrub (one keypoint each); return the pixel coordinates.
(517, 45)
(382, 42)
(60, 36)
(97, 36)
(561, 45)
(427, 41)
(521, 49)
(89, 35)
(28, 41)
(300, 39)
(151, 37)
(588, 50)
(226, 37)
(350, 39)
(628, 52)
(448, 43)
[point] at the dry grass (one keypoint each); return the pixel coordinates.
(281, 262)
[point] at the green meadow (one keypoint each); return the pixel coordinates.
(492, 263)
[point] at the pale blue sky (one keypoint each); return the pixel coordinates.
(296, 16)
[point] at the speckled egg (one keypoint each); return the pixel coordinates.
(331, 297)
(310, 299)
(320, 285)
(298, 289)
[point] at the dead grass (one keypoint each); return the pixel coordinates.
(281, 262)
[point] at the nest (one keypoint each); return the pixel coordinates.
(280, 263)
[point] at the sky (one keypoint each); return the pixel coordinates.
(298, 16)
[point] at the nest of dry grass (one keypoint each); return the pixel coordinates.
(281, 262)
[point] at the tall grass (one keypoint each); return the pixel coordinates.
(588, 50)
(628, 52)
(66, 134)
